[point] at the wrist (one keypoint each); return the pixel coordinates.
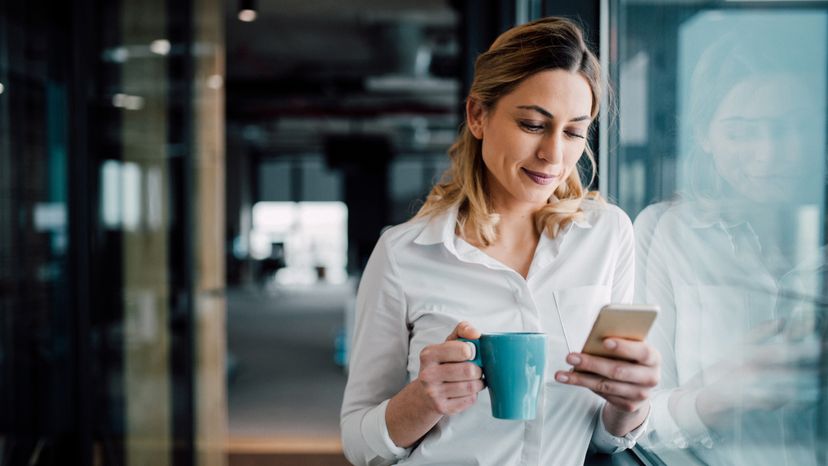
(410, 415)
(711, 408)
(619, 422)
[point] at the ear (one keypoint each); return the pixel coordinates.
(475, 117)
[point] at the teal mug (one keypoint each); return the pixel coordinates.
(513, 365)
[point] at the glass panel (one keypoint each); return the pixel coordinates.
(721, 160)
(111, 159)
(36, 334)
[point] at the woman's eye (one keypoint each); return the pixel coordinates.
(532, 128)
(573, 134)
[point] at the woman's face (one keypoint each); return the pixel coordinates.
(533, 137)
(757, 137)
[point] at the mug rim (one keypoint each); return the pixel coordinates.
(513, 334)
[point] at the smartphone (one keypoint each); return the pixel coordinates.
(629, 321)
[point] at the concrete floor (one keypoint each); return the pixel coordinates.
(286, 387)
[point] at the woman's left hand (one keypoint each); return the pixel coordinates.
(625, 380)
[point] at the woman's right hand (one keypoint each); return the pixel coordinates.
(766, 372)
(448, 382)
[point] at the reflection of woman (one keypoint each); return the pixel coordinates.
(732, 389)
(509, 242)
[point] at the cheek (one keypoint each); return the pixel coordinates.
(731, 158)
(502, 148)
(573, 154)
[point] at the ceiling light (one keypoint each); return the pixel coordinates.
(160, 46)
(128, 102)
(215, 81)
(2, 88)
(118, 54)
(247, 10)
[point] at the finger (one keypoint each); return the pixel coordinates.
(461, 389)
(615, 369)
(630, 350)
(463, 330)
(450, 351)
(604, 386)
(453, 406)
(458, 372)
(806, 352)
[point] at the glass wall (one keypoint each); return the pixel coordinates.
(719, 155)
(111, 272)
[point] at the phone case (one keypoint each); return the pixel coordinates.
(629, 321)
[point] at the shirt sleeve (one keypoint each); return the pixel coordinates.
(378, 362)
(674, 422)
(623, 289)
(604, 442)
(623, 283)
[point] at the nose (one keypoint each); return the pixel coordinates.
(551, 148)
(768, 147)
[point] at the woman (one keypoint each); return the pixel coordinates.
(734, 261)
(508, 242)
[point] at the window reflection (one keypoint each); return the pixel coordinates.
(732, 252)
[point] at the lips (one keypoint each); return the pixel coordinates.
(539, 177)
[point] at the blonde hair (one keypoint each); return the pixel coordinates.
(545, 44)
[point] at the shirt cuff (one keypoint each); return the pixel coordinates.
(678, 426)
(375, 433)
(605, 442)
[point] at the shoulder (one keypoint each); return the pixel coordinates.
(395, 239)
(605, 215)
(404, 232)
(648, 219)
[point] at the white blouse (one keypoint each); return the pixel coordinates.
(422, 280)
(712, 281)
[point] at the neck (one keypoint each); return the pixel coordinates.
(517, 225)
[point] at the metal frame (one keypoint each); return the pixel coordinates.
(181, 159)
(81, 221)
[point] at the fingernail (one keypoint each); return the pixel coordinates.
(562, 378)
(472, 350)
(573, 359)
(610, 344)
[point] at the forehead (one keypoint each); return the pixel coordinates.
(563, 93)
(764, 97)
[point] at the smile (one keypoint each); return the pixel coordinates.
(539, 178)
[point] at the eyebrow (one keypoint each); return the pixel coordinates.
(549, 115)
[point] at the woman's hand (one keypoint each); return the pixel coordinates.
(774, 366)
(447, 384)
(624, 381)
(447, 379)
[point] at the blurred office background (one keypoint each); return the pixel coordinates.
(190, 189)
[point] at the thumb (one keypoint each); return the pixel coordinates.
(463, 330)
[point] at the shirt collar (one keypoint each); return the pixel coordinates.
(440, 228)
(695, 214)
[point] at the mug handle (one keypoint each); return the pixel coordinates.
(476, 342)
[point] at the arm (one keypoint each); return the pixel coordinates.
(378, 362)
(674, 421)
(382, 416)
(624, 384)
(619, 416)
(447, 384)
